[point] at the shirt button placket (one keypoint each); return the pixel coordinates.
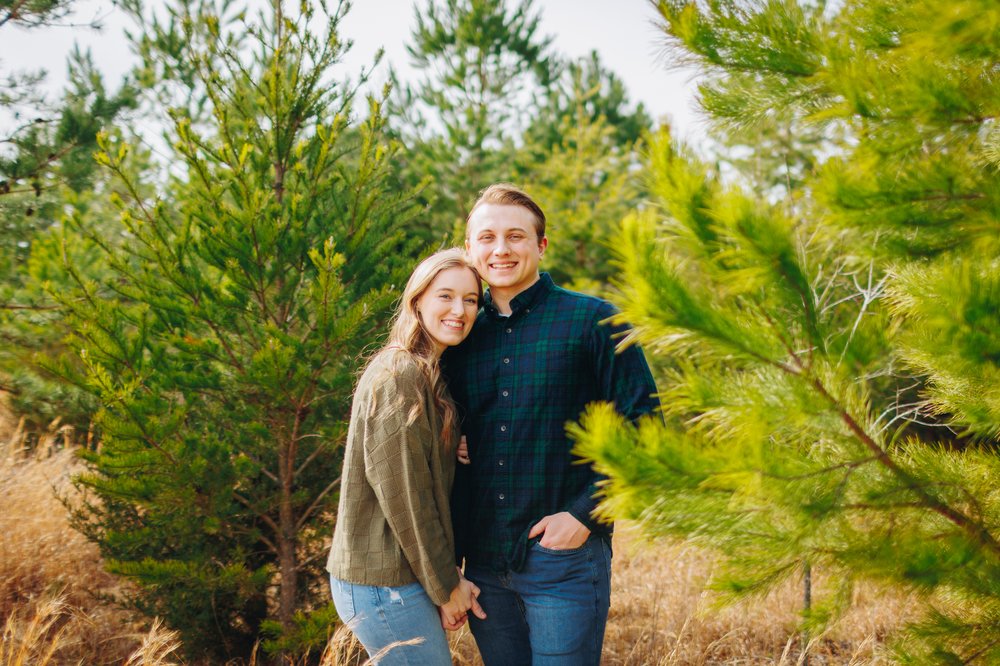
(504, 429)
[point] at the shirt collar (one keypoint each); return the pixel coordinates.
(533, 294)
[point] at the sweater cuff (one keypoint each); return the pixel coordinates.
(447, 581)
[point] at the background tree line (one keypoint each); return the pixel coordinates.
(820, 295)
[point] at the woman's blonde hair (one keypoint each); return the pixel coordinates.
(409, 335)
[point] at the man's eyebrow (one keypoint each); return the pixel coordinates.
(493, 231)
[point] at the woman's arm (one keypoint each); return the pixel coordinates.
(397, 465)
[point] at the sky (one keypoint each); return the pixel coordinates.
(622, 31)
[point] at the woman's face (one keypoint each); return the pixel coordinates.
(448, 307)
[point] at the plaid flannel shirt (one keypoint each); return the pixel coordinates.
(517, 381)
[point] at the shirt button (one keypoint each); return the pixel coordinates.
(506, 393)
(527, 310)
(508, 330)
(500, 462)
(506, 360)
(501, 496)
(503, 428)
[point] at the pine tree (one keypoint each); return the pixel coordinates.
(578, 161)
(585, 86)
(46, 164)
(224, 345)
(483, 63)
(48, 145)
(787, 440)
(585, 183)
(32, 13)
(585, 187)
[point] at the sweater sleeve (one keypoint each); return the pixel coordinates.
(398, 468)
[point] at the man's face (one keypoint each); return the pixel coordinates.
(505, 247)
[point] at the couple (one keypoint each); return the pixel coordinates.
(537, 566)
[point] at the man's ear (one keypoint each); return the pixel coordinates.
(542, 244)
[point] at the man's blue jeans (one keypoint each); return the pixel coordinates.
(553, 612)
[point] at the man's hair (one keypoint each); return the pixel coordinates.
(505, 194)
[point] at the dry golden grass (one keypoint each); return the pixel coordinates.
(661, 615)
(53, 587)
(55, 607)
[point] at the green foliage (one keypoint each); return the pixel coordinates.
(483, 64)
(777, 156)
(585, 185)
(45, 167)
(32, 13)
(585, 87)
(577, 162)
(310, 634)
(49, 147)
(222, 346)
(832, 398)
(32, 322)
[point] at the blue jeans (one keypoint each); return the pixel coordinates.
(553, 612)
(381, 616)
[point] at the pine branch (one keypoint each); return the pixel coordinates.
(264, 518)
(36, 308)
(974, 530)
(307, 514)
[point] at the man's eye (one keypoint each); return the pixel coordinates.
(516, 238)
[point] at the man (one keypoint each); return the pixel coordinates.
(537, 355)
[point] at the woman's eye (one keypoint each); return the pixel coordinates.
(472, 301)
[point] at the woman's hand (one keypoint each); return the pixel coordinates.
(463, 451)
(463, 599)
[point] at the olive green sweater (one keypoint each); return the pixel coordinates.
(394, 521)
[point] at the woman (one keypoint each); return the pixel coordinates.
(392, 563)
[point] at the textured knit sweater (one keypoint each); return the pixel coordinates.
(394, 520)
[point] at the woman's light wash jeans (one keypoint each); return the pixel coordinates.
(381, 616)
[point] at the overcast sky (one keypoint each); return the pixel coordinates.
(622, 31)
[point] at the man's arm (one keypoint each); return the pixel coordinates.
(623, 376)
(623, 379)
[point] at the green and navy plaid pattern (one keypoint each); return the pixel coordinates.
(518, 380)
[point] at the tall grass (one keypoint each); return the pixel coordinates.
(54, 592)
(56, 600)
(661, 615)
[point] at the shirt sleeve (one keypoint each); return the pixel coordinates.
(623, 378)
(398, 467)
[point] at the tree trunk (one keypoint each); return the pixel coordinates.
(287, 537)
